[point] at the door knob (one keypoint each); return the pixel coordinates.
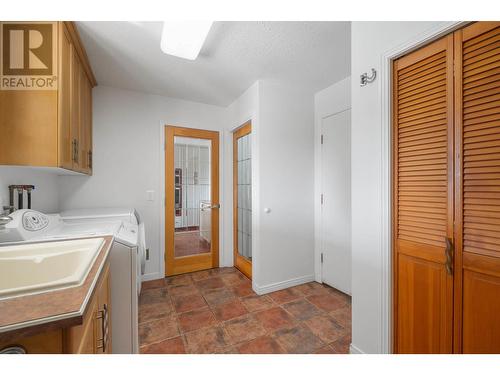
(209, 206)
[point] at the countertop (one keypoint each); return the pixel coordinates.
(27, 315)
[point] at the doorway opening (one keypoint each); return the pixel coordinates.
(191, 200)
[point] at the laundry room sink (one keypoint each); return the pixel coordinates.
(46, 266)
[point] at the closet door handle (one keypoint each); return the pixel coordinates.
(449, 256)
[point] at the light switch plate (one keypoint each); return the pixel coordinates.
(150, 195)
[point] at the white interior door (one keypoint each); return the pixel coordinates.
(336, 207)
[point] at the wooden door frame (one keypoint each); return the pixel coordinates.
(188, 263)
(240, 262)
(386, 248)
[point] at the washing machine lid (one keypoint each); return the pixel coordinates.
(128, 235)
(91, 229)
(118, 213)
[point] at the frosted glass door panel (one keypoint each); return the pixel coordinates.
(244, 186)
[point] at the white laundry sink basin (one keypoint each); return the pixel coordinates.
(40, 267)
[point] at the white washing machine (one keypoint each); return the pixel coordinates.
(86, 216)
(126, 257)
(128, 254)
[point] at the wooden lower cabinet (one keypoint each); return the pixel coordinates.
(93, 336)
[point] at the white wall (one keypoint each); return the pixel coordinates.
(282, 180)
(45, 197)
(370, 40)
(129, 158)
(334, 99)
(285, 183)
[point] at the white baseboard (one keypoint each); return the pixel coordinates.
(282, 284)
(317, 277)
(353, 349)
(152, 276)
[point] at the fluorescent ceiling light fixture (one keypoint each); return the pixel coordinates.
(184, 38)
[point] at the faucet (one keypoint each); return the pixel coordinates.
(4, 216)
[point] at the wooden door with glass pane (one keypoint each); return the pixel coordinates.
(242, 198)
(423, 199)
(191, 200)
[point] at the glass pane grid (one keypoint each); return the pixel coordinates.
(244, 191)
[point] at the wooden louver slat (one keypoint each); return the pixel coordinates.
(422, 151)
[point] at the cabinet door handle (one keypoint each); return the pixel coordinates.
(90, 159)
(449, 256)
(103, 316)
(77, 151)
(73, 149)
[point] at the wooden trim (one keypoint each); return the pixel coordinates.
(431, 253)
(424, 52)
(450, 98)
(173, 265)
(240, 262)
(80, 50)
(169, 201)
(478, 28)
(458, 240)
(394, 244)
(482, 264)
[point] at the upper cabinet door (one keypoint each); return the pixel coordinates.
(64, 99)
(423, 199)
(85, 124)
(477, 104)
(75, 109)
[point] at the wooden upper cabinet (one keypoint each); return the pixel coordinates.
(52, 127)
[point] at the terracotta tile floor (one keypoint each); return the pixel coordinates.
(216, 311)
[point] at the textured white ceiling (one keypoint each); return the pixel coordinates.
(127, 55)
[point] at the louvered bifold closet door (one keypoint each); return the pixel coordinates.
(423, 198)
(477, 104)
